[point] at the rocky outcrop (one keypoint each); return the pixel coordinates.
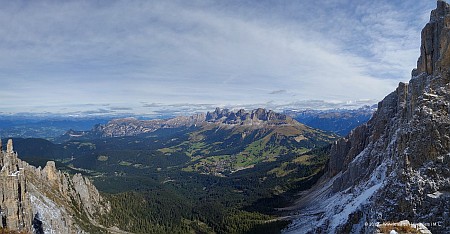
(396, 166)
(15, 207)
(259, 116)
(35, 199)
(434, 54)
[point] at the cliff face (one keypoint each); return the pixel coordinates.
(256, 117)
(15, 208)
(46, 200)
(397, 166)
(434, 55)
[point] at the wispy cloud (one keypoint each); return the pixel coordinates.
(57, 55)
(280, 91)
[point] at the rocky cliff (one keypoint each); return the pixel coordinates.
(256, 117)
(36, 200)
(397, 166)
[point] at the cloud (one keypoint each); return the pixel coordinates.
(98, 111)
(121, 108)
(162, 53)
(280, 91)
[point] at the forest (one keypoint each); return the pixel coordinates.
(150, 191)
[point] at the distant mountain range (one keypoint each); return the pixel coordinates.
(339, 121)
(47, 127)
(225, 118)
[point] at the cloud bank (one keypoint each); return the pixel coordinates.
(80, 56)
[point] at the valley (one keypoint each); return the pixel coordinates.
(209, 175)
(217, 117)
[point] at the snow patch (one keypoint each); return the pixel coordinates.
(438, 194)
(347, 204)
(353, 205)
(333, 211)
(14, 173)
(430, 95)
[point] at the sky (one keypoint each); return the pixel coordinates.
(156, 57)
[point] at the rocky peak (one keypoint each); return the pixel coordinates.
(217, 114)
(434, 51)
(258, 116)
(8, 161)
(9, 146)
(50, 171)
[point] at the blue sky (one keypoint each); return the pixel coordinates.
(153, 57)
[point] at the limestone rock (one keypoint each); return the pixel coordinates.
(89, 195)
(259, 117)
(9, 146)
(50, 172)
(434, 55)
(15, 209)
(48, 197)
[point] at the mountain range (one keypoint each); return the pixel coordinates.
(253, 171)
(216, 142)
(338, 121)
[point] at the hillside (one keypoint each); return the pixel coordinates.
(226, 174)
(219, 142)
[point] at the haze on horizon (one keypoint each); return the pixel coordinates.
(150, 57)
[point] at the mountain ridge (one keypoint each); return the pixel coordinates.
(131, 126)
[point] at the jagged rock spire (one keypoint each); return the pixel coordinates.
(434, 49)
(9, 146)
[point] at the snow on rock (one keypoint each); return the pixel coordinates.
(396, 166)
(49, 214)
(331, 211)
